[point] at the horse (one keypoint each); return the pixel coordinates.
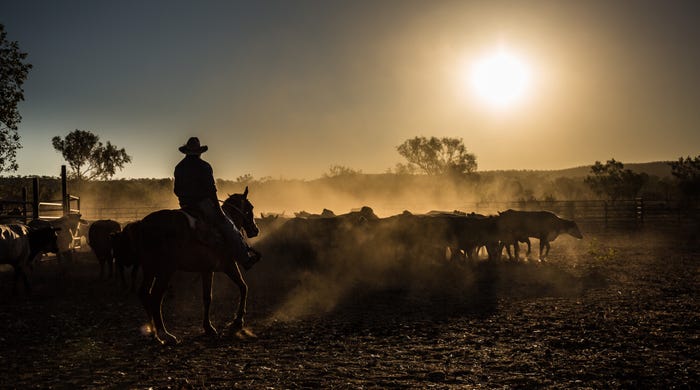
(167, 243)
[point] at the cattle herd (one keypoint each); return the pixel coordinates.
(437, 236)
(453, 236)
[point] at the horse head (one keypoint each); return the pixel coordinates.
(240, 210)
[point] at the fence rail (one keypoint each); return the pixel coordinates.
(590, 215)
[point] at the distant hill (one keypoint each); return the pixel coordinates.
(656, 168)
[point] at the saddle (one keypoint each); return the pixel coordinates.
(203, 232)
(210, 236)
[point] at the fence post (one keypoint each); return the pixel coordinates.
(35, 198)
(24, 204)
(605, 213)
(640, 211)
(64, 191)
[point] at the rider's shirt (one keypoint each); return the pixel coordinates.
(194, 181)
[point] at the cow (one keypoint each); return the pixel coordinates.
(67, 227)
(99, 238)
(516, 225)
(124, 245)
(20, 245)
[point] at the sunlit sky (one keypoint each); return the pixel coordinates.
(288, 88)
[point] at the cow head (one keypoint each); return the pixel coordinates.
(43, 239)
(571, 228)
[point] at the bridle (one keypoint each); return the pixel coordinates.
(238, 210)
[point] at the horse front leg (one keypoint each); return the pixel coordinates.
(144, 294)
(235, 275)
(207, 282)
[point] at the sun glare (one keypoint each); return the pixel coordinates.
(500, 79)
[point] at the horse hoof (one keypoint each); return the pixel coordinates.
(167, 339)
(236, 325)
(210, 331)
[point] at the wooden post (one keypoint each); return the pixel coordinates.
(605, 208)
(64, 191)
(24, 204)
(640, 211)
(35, 198)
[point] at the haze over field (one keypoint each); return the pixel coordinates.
(285, 89)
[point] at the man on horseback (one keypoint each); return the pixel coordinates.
(196, 191)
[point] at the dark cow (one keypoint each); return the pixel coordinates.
(99, 238)
(324, 214)
(68, 227)
(20, 245)
(543, 225)
(307, 241)
(125, 251)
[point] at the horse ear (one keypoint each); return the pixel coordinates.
(245, 193)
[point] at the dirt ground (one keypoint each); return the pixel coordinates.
(612, 310)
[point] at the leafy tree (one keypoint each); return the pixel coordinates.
(405, 169)
(438, 156)
(613, 181)
(13, 72)
(687, 174)
(88, 158)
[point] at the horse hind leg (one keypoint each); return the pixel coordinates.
(207, 282)
(157, 296)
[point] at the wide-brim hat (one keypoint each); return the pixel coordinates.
(193, 147)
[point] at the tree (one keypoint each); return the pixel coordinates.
(88, 158)
(341, 170)
(438, 156)
(245, 179)
(613, 181)
(687, 174)
(13, 72)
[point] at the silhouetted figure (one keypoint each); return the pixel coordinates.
(196, 191)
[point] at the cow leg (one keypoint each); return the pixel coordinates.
(110, 267)
(529, 246)
(102, 267)
(156, 305)
(469, 252)
(235, 275)
(508, 252)
(120, 275)
(543, 245)
(546, 247)
(19, 273)
(207, 282)
(516, 250)
(134, 273)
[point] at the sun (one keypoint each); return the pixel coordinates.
(500, 79)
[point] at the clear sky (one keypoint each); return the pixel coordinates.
(287, 88)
